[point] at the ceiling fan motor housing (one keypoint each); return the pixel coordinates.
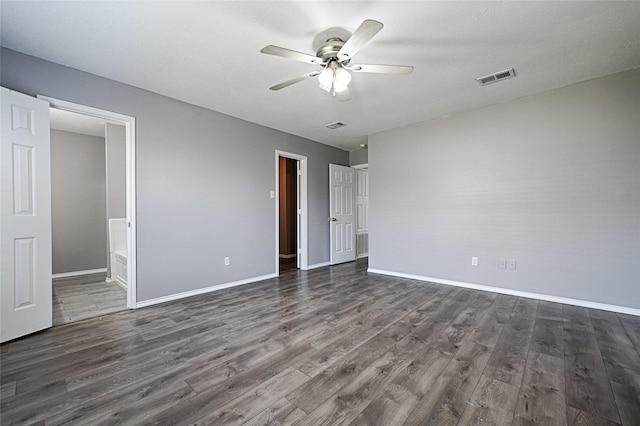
(329, 50)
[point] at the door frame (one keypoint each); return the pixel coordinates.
(130, 125)
(303, 249)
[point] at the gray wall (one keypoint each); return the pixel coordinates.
(203, 180)
(115, 144)
(78, 209)
(359, 156)
(551, 180)
(115, 153)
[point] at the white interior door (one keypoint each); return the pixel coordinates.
(341, 203)
(25, 215)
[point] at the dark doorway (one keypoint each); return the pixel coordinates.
(288, 211)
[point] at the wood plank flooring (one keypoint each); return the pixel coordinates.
(334, 345)
(86, 296)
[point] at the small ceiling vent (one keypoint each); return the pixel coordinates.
(335, 125)
(495, 77)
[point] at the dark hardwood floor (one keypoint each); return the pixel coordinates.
(288, 264)
(331, 346)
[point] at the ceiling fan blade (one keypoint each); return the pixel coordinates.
(294, 81)
(291, 54)
(359, 38)
(343, 95)
(382, 69)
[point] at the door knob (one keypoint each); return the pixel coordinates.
(332, 219)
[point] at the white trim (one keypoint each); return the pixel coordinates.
(364, 166)
(318, 265)
(199, 291)
(286, 256)
(304, 215)
(130, 126)
(79, 273)
(538, 296)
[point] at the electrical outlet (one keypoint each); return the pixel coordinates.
(503, 264)
(512, 264)
(227, 261)
(474, 261)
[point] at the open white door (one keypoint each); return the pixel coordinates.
(341, 203)
(25, 215)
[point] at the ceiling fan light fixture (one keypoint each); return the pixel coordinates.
(334, 53)
(341, 79)
(325, 79)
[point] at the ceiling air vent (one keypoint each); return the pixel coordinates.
(495, 77)
(335, 125)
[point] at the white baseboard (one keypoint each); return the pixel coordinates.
(79, 273)
(287, 256)
(317, 265)
(199, 291)
(545, 297)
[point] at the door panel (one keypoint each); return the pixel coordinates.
(23, 191)
(25, 215)
(341, 182)
(24, 266)
(337, 200)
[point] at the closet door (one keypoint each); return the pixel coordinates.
(341, 204)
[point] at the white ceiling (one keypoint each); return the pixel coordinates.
(76, 123)
(208, 54)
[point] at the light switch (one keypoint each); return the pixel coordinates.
(273, 194)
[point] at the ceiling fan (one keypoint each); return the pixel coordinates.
(334, 56)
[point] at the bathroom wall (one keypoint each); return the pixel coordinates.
(78, 202)
(115, 156)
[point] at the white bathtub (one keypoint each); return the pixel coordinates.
(118, 250)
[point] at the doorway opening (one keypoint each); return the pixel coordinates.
(93, 211)
(291, 212)
(288, 217)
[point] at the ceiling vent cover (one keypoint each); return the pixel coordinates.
(495, 77)
(335, 125)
